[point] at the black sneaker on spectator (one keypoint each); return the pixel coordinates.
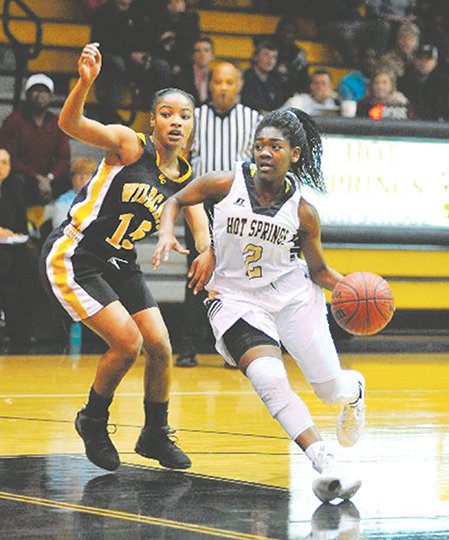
(186, 360)
(99, 448)
(157, 444)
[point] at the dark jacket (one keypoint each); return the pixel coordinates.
(262, 95)
(13, 215)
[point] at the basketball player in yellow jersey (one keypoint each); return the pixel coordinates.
(89, 263)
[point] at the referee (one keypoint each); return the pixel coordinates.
(224, 134)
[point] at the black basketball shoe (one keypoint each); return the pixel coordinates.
(99, 448)
(157, 444)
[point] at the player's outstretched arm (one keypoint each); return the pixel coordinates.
(119, 140)
(312, 249)
(214, 186)
(196, 218)
(167, 239)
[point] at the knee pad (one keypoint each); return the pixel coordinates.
(269, 379)
(341, 390)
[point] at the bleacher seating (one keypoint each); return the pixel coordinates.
(64, 33)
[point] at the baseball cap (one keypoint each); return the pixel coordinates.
(40, 78)
(427, 50)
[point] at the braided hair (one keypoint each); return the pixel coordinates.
(300, 130)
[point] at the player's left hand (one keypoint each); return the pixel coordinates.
(201, 270)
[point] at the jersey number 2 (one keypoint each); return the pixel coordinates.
(253, 254)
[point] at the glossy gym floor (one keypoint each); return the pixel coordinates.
(247, 481)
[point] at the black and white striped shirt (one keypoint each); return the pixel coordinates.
(220, 141)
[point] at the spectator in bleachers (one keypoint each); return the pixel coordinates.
(384, 101)
(262, 88)
(406, 44)
(177, 30)
(423, 85)
(128, 44)
(291, 66)
(81, 171)
(321, 100)
(18, 259)
(224, 134)
(387, 17)
(354, 85)
(39, 150)
(435, 26)
(195, 77)
(89, 7)
(343, 27)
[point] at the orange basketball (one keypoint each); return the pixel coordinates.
(362, 303)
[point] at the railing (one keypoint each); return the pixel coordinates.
(23, 52)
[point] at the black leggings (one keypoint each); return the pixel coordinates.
(242, 336)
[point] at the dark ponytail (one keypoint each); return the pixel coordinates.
(300, 130)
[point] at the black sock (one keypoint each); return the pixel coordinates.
(97, 406)
(156, 414)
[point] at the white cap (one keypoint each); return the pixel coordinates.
(40, 78)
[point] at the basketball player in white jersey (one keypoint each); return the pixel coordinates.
(262, 293)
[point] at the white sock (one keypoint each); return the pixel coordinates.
(320, 457)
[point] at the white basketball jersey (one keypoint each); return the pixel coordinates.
(253, 244)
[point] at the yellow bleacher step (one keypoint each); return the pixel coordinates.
(53, 60)
(53, 34)
(237, 23)
(235, 47)
(49, 9)
(249, 23)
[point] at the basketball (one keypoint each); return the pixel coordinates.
(362, 303)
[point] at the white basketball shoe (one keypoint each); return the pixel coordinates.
(333, 483)
(351, 419)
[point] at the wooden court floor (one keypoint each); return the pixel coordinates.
(247, 480)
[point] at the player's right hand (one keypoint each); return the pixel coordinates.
(89, 62)
(165, 244)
